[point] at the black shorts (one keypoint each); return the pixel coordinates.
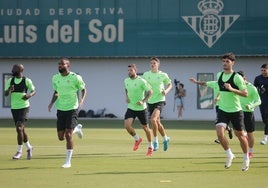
(236, 118)
(217, 109)
(249, 120)
(66, 119)
(141, 115)
(158, 105)
(20, 115)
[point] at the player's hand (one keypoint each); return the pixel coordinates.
(164, 92)
(50, 106)
(81, 103)
(228, 86)
(140, 103)
(192, 80)
(248, 107)
(127, 100)
(11, 88)
(26, 97)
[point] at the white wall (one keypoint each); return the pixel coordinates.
(104, 79)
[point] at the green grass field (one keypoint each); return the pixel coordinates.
(104, 158)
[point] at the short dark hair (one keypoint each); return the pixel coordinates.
(264, 66)
(65, 59)
(241, 73)
(155, 59)
(229, 56)
(133, 66)
(19, 66)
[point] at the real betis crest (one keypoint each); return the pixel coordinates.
(210, 26)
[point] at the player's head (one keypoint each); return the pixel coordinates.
(17, 70)
(229, 56)
(228, 61)
(132, 70)
(155, 63)
(64, 65)
(264, 70)
(241, 73)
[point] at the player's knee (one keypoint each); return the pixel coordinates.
(239, 133)
(146, 128)
(61, 138)
(19, 126)
(220, 131)
(127, 126)
(153, 120)
(68, 136)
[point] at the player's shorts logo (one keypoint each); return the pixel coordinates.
(210, 26)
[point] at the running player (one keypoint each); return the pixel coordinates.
(161, 85)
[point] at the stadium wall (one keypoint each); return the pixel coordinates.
(104, 79)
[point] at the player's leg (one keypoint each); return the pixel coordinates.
(149, 139)
(143, 118)
(250, 137)
(161, 127)
(221, 123)
(244, 146)
(24, 118)
(249, 121)
(162, 131)
(130, 115)
(18, 124)
(154, 116)
(264, 116)
(65, 124)
(238, 124)
(265, 136)
(69, 148)
(19, 131)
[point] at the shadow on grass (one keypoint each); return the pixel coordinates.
(148, 172)
(16, 168)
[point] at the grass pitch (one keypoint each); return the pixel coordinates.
(104, 158)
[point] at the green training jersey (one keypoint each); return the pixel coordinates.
(229, 101)
(16, 97)
(136, 89)
(253, 99)
(158, 81)
(67, 88)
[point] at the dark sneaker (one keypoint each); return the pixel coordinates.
(30, 153)
(217, 141)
